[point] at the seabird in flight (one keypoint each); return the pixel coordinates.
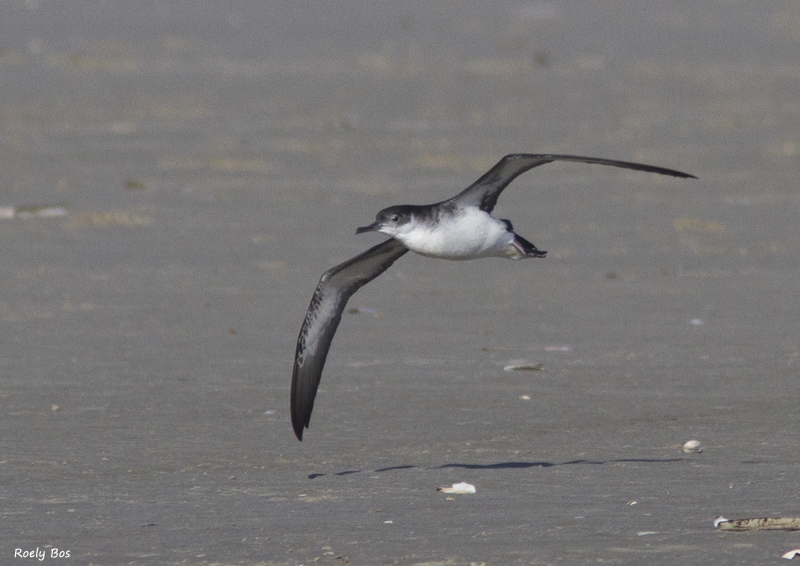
(459, 228)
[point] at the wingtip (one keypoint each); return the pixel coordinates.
(298, 424)
(298, 431)
(297, 421)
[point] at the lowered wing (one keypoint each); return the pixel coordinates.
(334, 289)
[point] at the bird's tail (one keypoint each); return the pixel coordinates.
(527, 248)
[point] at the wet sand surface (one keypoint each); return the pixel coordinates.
(176, 176)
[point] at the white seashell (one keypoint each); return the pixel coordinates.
(460, 488)
(523, 365)
(719, 520)
(791, 554)
(692, 446)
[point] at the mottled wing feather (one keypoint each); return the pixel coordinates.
(335, 288)
(484, 192)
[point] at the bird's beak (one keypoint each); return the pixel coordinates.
(371, 228)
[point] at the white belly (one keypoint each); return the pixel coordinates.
(473, 234)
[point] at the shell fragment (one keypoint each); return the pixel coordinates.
(459, 488)
(758, 524)
(523, 365)
(692, 446)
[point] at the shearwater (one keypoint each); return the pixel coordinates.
(458, 228)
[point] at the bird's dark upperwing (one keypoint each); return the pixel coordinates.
(335, 287)
(483, 193)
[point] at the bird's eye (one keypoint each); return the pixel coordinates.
(395, 218)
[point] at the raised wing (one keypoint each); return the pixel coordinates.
(483, 193)
(334, 289)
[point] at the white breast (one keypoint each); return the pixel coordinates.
(472, 234)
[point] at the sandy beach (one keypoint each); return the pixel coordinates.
(176, 176)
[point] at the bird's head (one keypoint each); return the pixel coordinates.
(391, 221)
